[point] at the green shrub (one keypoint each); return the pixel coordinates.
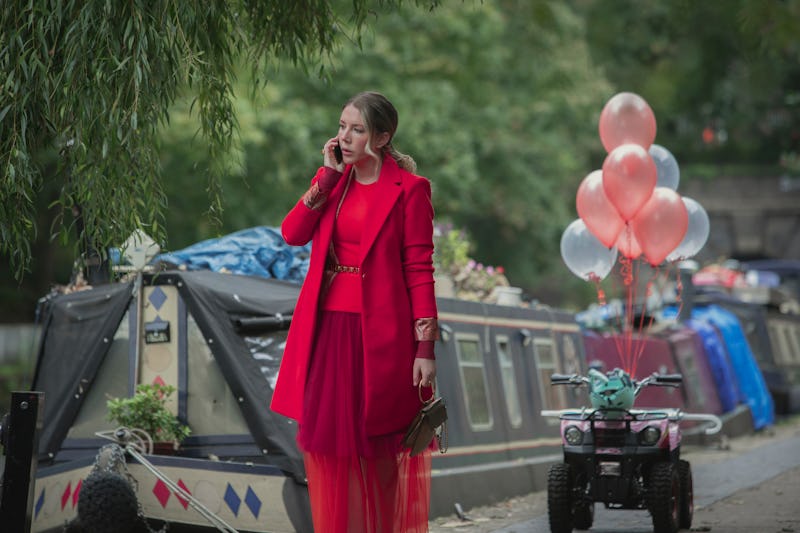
(147, 410)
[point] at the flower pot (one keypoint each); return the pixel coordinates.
(165, 448)
(508, 295)
(444, 286)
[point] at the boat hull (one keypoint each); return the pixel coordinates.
(248, 497)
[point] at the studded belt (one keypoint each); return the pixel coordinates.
(343, 268)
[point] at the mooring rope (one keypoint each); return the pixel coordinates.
(135, 443)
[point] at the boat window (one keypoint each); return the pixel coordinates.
(781, 342)
(546, 365)
(691, 376)
(786, 345)
(509, 379)
(793, 332)
(572, 363)
(473, 380)
(774, 339)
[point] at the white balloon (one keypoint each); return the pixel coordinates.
(584, 254)
(668, 173)
(696, 233)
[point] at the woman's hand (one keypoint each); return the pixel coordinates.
(328, 156)
(424, 371)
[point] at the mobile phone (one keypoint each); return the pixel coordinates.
(337, 153)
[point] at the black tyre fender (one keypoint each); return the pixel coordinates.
(559, 498)
(686, 509)
(663, 497)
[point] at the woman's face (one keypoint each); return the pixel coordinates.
(353, 136)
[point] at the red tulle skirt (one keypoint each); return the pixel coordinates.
(357, 483)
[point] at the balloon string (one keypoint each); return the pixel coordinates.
(679, 294)
(635, 328)
(601, 295)
(620, 351)
(627, 332)
(641, 345)
(618, 342)
(643, 329)
(618, 318)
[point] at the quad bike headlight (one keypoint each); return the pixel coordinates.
(649, 435)
(573, 436)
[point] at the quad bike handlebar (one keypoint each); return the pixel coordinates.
(568, 379)
(665, 380)
(615, 389)
(654, 379)
(596, 380)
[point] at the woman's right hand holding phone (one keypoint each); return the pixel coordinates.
(333, 169)
(329, 155)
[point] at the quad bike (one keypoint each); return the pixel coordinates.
(623, 457)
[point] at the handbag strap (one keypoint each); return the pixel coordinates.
(433, 394)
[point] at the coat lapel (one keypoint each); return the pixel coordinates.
(387, 192)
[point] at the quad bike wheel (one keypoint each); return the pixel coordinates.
(559, 498)
(584, 515)
(686, 509)
(664, 497)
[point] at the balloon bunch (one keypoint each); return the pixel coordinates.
(630, 210)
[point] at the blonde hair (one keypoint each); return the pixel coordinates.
(380, 116)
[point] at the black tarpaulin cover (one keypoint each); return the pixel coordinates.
(78, 328)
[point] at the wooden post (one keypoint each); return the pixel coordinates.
(21, 440)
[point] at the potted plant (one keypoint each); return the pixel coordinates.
(464, 277)
(147, 410)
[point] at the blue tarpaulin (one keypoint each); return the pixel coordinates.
(258, 251)
(721, 369)
(749, 377)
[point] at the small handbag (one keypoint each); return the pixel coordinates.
(423, 428)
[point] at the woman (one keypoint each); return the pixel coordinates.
(363, 331)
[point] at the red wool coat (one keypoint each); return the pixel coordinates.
(397, 280)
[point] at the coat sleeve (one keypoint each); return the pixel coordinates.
(298, 226)
(418, 249)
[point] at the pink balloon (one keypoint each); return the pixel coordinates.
(627, 118)
(629, 177)
(627, 244)
(596, 211)
(661, 224)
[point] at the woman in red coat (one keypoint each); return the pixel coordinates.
(363, 331)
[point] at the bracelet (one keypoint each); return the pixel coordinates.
(426, 329)
(314, 198)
